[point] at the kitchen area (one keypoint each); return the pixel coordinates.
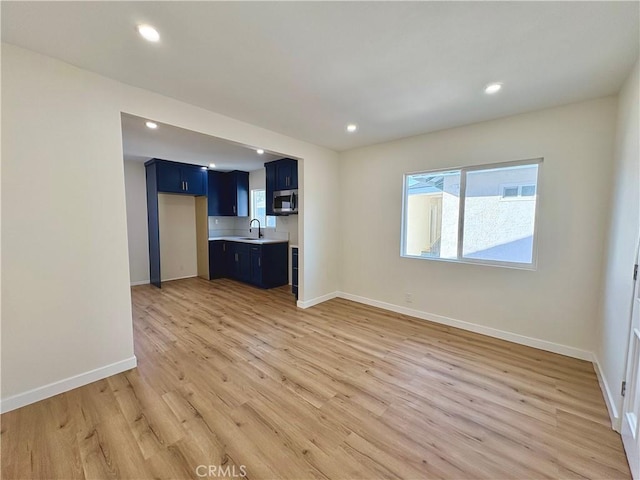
(212, 209)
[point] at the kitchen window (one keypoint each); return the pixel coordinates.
(259, 209)
(464, 214)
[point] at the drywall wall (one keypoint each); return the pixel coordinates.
(623, 233)
(557, 304)
(66, 241)
(178, 252)
(135, 185)
(66, 305)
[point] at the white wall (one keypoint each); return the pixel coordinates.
(623, 232)
(557, 304)
(178, 250)
(64, 236)
(135, 185)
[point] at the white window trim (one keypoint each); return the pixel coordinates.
(252, 213)
(462, 195)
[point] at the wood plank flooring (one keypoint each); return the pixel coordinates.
(237, 378)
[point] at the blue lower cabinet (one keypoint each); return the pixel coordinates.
(275, 265)
(264, 266)
(256, 265)
(294, 271)
(218, 259)
(240, 261)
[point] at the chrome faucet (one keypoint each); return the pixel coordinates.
(259, 230)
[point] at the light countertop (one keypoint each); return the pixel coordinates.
(252, 240)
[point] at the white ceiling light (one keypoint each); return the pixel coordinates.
(493, 88)
(212, 165)
(352, 127)
(148, 33)
(260, 151)
(151, 125)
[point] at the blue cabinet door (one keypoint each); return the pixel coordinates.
(294, 271)
(181, 178)
(256, 265)
(270, 177)
(228, 194)
(286, 174)
(275, 265)
(240, 262)
(217, 259)
(240, 193)
(294, 175)
(216, 189)
(283, 175)
(194, 179)
(169, 177)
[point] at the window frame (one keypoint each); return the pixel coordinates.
(461, 211)
(252, 213)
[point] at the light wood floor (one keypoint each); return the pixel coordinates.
(232, 376)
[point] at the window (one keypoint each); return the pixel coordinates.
(259, 208)
(518, 191)
(481, 214)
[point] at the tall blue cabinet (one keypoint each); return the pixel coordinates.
(164, 176)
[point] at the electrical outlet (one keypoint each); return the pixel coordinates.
(408, 297)
(217, 221)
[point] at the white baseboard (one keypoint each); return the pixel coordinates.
(61, 386)
(472, 327)
(317, 300)
(616, 422)
(178, 278)
(147, 282)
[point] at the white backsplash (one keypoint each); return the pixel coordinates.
(286, 228)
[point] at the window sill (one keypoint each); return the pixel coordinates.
(486, 263)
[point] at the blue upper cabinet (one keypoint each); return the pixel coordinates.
(270, 182)
(280, 175)
(228, 194)
(180, 178)
(195, 180)
(285, 173)
(239, 190)
(216, 194)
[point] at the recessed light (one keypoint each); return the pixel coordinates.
(212, 165)
(148, 33)
(151, 125)
(493, 88)
(260, 151)
(352, 127)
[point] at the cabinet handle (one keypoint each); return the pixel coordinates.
(234, 209)
(224, 247)
(259, 261)
(186, 185)
(236, 257)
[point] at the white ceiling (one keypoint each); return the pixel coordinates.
(172, 143)
(306, 69)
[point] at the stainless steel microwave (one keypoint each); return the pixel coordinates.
(285, 202)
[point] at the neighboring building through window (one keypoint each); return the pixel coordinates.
(259, 208)
(466, 214)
